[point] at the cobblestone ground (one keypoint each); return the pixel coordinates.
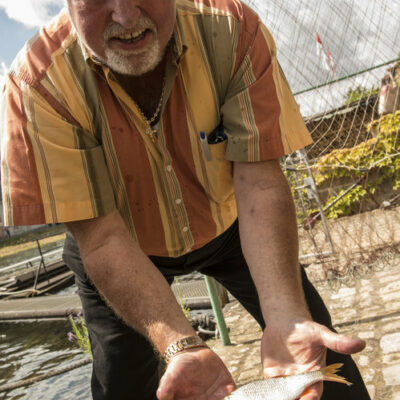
(367, 306)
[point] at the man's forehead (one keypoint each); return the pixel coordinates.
(156, 2)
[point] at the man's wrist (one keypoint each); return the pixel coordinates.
(181, 345)
(280, 314)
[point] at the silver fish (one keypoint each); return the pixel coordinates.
(288, 387)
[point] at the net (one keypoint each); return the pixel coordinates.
(341, 59)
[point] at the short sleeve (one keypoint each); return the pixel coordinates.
(52, 169)
(260, 115)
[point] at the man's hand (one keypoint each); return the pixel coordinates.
(292, 342)
(300, 347)
(195, 374)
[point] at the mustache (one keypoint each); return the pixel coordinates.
(115, 29)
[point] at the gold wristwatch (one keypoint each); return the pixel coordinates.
(183, 344)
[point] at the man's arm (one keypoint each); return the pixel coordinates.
(138, 292)
(268, 233)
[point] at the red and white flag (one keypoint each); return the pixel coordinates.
(326, 57)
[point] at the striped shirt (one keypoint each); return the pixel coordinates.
(75, 147)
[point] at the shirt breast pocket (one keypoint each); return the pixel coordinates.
(219, 170)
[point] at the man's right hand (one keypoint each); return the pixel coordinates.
(196, 374)
(138, 292)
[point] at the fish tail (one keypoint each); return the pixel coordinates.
(329, 374)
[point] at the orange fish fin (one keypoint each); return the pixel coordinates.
(307, 391)
(329, 374)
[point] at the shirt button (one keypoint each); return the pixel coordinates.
(178, 201)
(185, 229)
(169, 168)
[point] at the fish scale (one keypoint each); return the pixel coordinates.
(286, 388)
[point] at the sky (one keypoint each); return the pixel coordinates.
(358, 33)
(19, 21)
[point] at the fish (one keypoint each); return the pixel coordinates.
(286, 387)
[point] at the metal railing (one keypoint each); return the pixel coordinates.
(30, 262)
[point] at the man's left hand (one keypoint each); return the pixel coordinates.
(300, 346)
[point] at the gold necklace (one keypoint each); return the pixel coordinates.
(150, 130)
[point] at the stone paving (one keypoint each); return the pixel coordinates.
(367, 306)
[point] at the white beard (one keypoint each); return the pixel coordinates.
(133, 64)
(124, 62)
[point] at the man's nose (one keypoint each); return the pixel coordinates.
(126, 12)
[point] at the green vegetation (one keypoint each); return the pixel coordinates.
(41, 233)
(79, 334)
(379, 154)
(47, 244)
(184, 307)
(360, 92)
(24, 246)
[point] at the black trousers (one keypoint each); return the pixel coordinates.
(125, 366)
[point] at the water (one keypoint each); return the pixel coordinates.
(30, 348)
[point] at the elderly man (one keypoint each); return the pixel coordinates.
(154, 129)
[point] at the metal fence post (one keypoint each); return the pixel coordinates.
(216, 306)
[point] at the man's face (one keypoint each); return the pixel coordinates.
(130, 36)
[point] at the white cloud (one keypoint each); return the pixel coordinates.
(360, 34)
(32, 13)
(3, 73)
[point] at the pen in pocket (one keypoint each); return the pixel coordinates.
(204, 145)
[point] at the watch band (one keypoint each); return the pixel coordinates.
(183, 344)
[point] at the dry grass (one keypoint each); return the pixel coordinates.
(359, 239)
(17, 248)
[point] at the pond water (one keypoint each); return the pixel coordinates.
(30, 348)
(33, 347)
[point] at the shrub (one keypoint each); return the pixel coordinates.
(360, 92)
(380, 154)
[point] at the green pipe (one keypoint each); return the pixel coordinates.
(346, 77)
(216, 306)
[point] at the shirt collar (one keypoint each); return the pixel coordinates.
(179, 40)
